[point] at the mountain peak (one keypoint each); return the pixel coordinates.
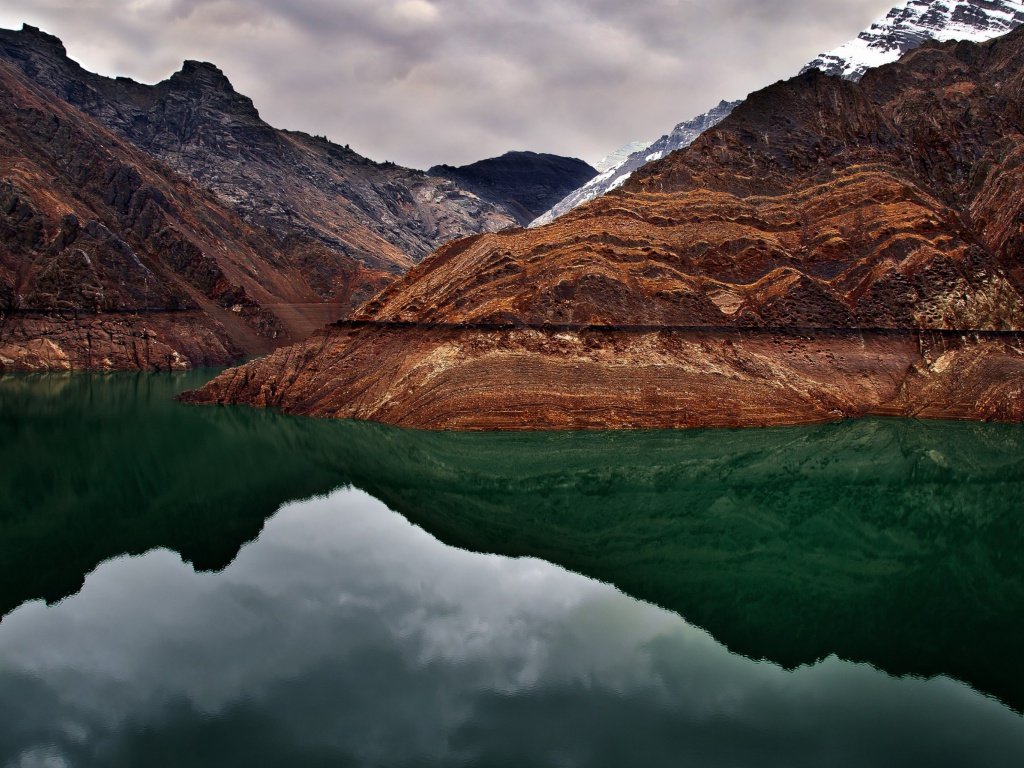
(908, 25)
(526, 183)
(203, 73)
(45, 38)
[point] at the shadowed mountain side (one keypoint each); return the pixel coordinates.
(891, 542)
(380, 214)
(525, 183)
(108, 259)
(817, 208)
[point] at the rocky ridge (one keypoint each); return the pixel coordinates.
(830, 249)
(906, 26)
(296, 185)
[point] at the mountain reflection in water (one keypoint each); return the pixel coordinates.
(883, 541)
(346, 636)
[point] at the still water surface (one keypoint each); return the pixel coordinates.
(233, 587)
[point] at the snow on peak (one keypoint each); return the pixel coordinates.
(620, 154)
(906, 26)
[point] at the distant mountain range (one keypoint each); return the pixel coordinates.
(379, 214)
(614, 158)
(680, 136)
(901, 29)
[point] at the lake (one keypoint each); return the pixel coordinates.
(188, 586)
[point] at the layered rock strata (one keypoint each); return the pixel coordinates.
(476, 379)
(902, 29)
(830, 249)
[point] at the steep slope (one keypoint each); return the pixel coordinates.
(525, 183)
(108, 259)
(614, 158)
(830, 249)
(380, 214)
(906, 26)
(616, 174)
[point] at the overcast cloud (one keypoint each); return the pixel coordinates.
(421, 82)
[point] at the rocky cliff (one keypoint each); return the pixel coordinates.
(111, 260)
(382, 215)
(830, 249)
(525, 183)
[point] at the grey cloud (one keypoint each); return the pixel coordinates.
(430, 81)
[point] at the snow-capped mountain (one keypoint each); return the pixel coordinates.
(904, 27)
(620, 154)
(681, 136)
(907, 26)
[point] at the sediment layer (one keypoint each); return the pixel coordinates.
(533, 378)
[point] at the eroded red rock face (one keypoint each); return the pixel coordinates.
(103, 249)
(472, 379)
(820, 213)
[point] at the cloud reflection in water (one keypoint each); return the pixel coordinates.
(345, 635)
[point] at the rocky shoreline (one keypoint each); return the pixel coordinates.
(526, 379)
(78, 341)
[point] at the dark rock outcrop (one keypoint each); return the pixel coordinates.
(830, 249)
(525, 183)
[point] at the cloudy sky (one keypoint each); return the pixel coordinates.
(421, 82)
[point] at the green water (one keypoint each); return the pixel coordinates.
(891, 543)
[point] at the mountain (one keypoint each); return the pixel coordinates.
(524, 183)
(611, 160)
(907, 26)
(903, 28)
(111, 260)
(382, 215)
(830, 249)
(615, 175)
